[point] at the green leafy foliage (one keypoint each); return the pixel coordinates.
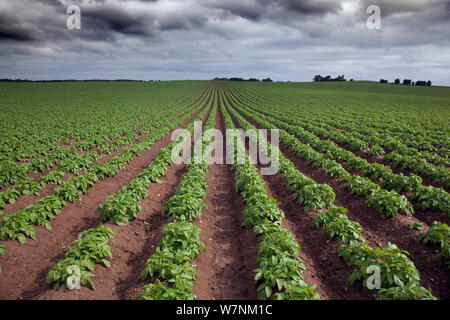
(433, 198)
(376, 150)
(28, 185)
(2, 252)
(169, 267)
(439, 233)
(279, 268)
(184, 207)
(360, 186)
(330, 153)
(10, 195)
(53, 177)
(41, 164)
(396, 270)
(187, 203)
(259, 209)
(180, 290)
(72, 188)
(119, 208)
(90, 248)
(334, 169)
(16, 227)
(315, 196)
(338, 226)
(413, 291)
(415, 226)
(388, 204)
(103, 170)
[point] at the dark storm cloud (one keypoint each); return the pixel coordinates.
(248, 9)
(55, 3)
(108, 19)
(101, 20)
(28, 22)
(309, 7)
(133, 18)
(12, 29)
(269, 9)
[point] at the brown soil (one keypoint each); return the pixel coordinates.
(225, 270)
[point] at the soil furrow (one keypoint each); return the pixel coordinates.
(225, 270)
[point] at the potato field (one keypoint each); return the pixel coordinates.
(93, 205)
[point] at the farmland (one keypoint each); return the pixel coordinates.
(89, 191)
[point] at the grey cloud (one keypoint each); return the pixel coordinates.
(310, 7)
(12, 29)
(389, 8)
(248, 9)
(114, 19)
(102, 20)
(125, 18)
(290, 40)
(270, 9)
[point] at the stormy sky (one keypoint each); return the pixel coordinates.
(201, 39)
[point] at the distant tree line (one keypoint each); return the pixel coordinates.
(409, 82)
(73, 80)
(319, 78)
(242, 79)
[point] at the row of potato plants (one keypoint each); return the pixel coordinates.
(19, 225)
(170, 268)
(278, 274)
(399, 278)
(426, 197)
(366, 130)
(97, 251)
